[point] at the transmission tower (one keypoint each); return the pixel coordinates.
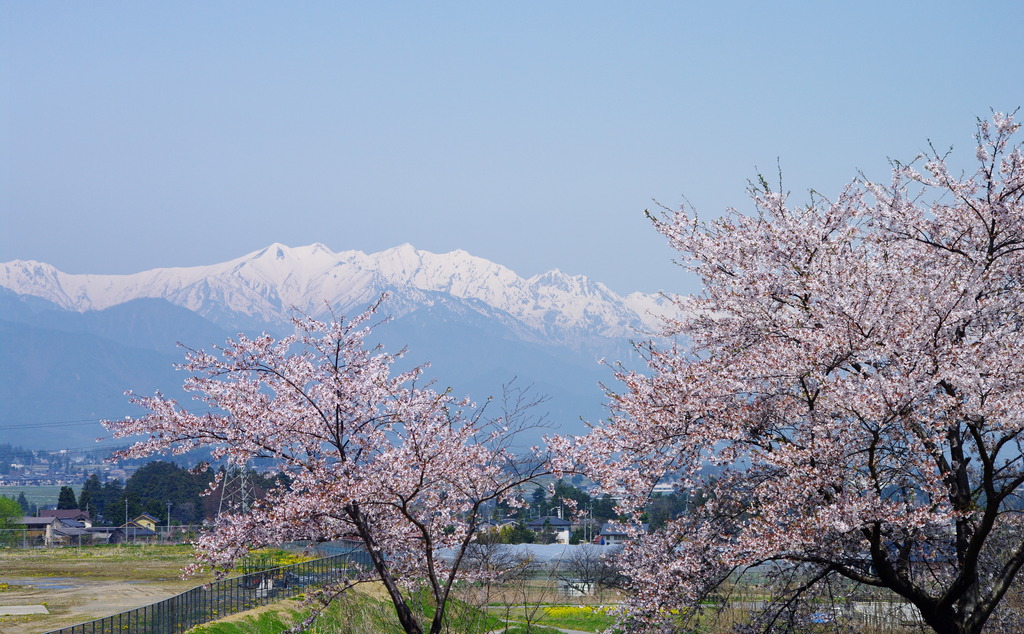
(237, 492)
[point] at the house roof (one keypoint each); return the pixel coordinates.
(498, 523)
(64, 514)
(70, 531)
(147, 516)
(614, 528)
(38, 521)
(135, 531)
(553, 521)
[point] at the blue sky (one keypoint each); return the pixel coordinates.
(136, 135)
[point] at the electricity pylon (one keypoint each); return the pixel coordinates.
(237, 492)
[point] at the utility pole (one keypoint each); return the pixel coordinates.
(592, 522)
(126, 518)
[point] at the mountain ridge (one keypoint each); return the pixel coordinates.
(267, 284)
(75, 343)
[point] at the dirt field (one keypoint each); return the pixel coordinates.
(78, 585)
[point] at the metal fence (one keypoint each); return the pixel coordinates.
(218, 599)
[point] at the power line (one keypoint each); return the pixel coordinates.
(81, 421)
(63, 424)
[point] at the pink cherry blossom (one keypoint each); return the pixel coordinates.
(370, 455)
(847, 393)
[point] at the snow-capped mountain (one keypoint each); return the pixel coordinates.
(266, 286)
(72, 344)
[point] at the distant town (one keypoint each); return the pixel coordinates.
(27, 468)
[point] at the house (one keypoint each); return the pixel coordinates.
(496, 525)
(665, 488)
(613, 533)
(132, 534)
(102, 534)
(562, 528)
(139, 530)
(72, 533)
(38, 530)
(53, 531)
(146, 521)
(76, 515)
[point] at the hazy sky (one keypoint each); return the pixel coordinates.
(136, 135)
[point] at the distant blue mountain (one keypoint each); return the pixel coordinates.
(73, 344)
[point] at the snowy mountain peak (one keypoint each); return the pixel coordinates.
(268, 284)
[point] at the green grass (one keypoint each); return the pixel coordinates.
(38, 495)
(266, 623)
(132, 562)
(353, 613)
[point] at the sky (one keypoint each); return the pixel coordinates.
(136, 135)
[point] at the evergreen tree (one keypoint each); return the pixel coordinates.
(108, 501)
(91, 491)
(539, 501)
(663, 508)
(157, 483)
(577, 536)
(604, 509)
(27, 508)
(66, 499)
(567, 497)
(566, 491)
(516, 534)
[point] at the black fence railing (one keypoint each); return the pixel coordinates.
(222, 598)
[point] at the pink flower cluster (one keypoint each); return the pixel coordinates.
(850, 397)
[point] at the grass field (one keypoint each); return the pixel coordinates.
(81, 584)
(366, 610)
(144, 562)
(361, 611)
(96, 581)
(38, 495)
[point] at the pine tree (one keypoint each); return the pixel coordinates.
(110, 503)
(91, 490)
(66, 499)
(26, 506)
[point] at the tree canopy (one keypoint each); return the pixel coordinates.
(10, 513)
(368, 455)
(854, 368)
(66, 498)
(158, 483)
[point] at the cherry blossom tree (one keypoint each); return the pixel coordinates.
(847, 391)
(369, 455)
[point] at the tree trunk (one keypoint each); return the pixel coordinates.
(943, 621)
(405, 616)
